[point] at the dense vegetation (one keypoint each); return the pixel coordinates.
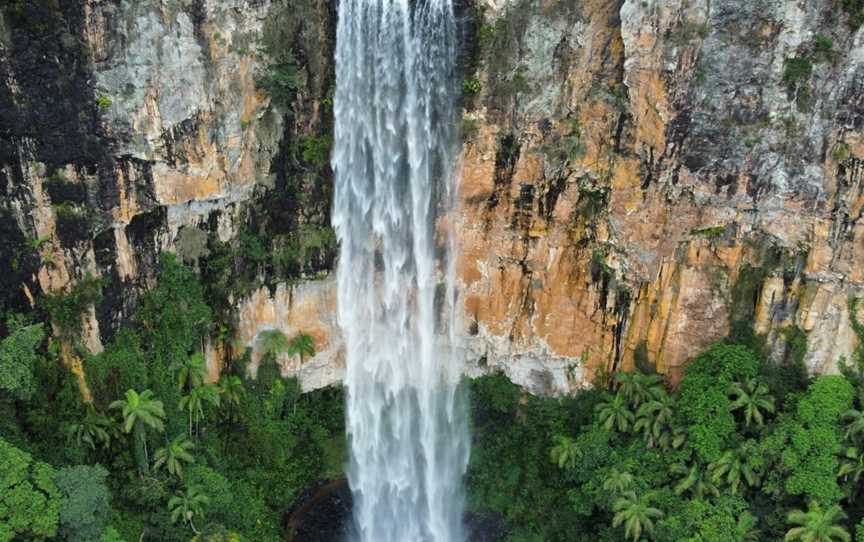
(744, 449)
(158, 450)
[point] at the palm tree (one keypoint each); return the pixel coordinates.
(733, 468)
(188, 504)
(638, 387)
(635, 513)
(95, 428)
(194, 403)
(817, 525)
(301, 345)
(271, 343)
(745, 528)
(852, 468)
(232, 391)
(231, 388)
(140, 412)
(190, 370)
(173, 455)
(615, 414)
(654, 419)
(695, 480)
(752, 396)
(618, 482)
(855, 425)
(565, 452)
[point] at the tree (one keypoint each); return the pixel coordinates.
(654, 421)
(565, 452)
(190, 371)
(140, 412)
(753, 398)
(855, 423)
(18, 356)
(618, 482)
(817, 524)
(187, 505)
(29, 498)
(231, 388)
(271, 343)
(852, 467)
(696, 480)
(173, 455)
(734, 468)
(636, 514)
(615, 414)
(746, 529)
(301, 345)
(94, 429)
(638, 387)
(86, 504)
(194, 403)
(232, 391)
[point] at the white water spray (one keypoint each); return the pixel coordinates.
(393, 157)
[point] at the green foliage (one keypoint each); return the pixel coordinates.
(711, 233)
(272, 343)
(29, 499)
(796, 71)
(703, 400)
(281, 78)
(510, 471)
(817, 524)
(187, 505)
(855, 11)
(471, 86)
(811, 442)
(636, 514)
(173, 315)
(18, 358)
(823, 47)
(316, 149)
(111, 535)
(173, 455)
(140, 413)
(73, 221)
(86, 502)
(67, 308)
(117, 368)
(104, 102)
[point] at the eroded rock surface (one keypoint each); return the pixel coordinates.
(638, 178)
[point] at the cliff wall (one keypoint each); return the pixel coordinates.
(639, 178)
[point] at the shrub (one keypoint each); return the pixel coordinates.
(29, 499)
(86, 503)
(66, 309)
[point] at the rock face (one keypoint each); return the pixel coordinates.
(639, 178)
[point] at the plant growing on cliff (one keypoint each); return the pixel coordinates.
(281, 78)
(67, 308)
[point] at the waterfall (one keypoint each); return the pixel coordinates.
(393, 158)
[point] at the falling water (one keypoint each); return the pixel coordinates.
(395, 146)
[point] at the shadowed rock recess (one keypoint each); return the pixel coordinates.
(638, 178)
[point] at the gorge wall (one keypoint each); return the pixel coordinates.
(639, 178)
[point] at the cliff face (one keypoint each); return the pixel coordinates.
(639, 178)
(643, 176)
